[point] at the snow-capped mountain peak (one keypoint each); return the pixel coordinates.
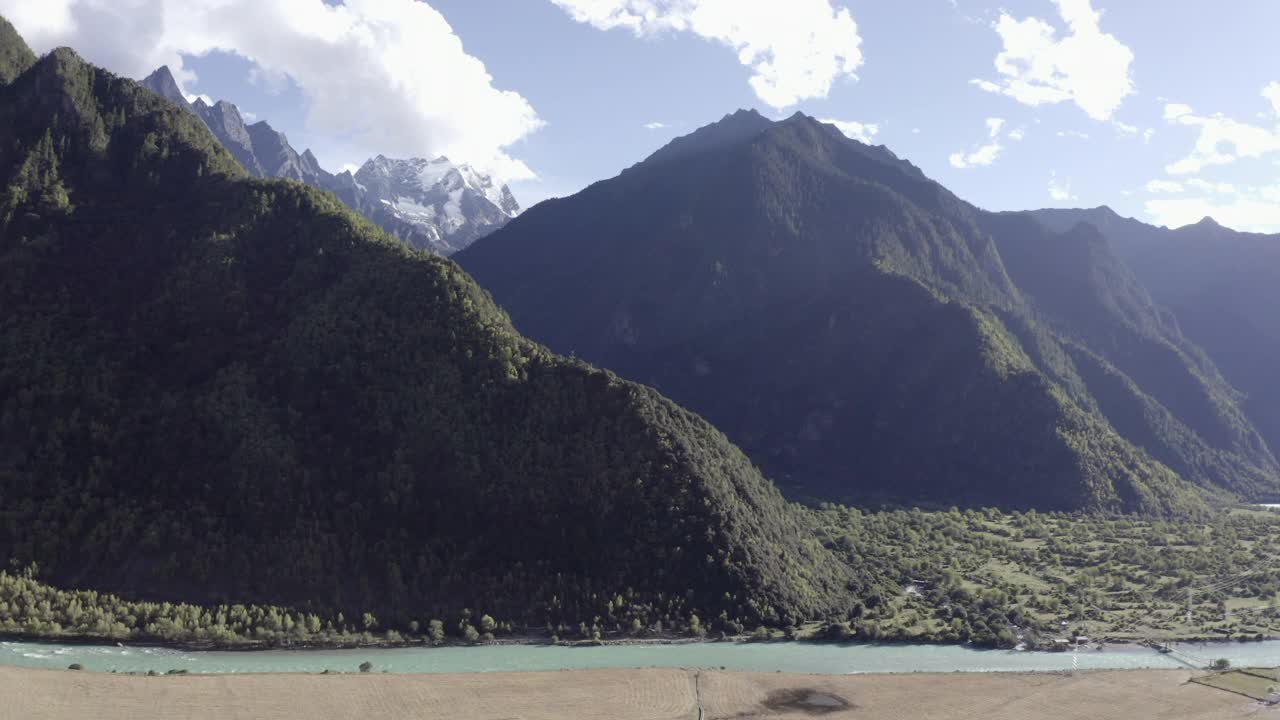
(434, 203)
(414, 176)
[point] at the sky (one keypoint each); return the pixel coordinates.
(1166, 110)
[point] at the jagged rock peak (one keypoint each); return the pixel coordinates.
(416, 176)
(162, 83)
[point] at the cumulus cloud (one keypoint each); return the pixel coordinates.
(1272, 93)
(1214, 187)
(795, 49)
(1017, 134)
(982, 155)
(1221, 140)
(862, 132)
(654, 126)
(1086, 66)
(386, 76)
(1164, 186)
(1125, 128)
(1253, 209)
(1060, 190)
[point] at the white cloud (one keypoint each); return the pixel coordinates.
(983, 155)
(915, 131)
(1206, 186)
(1073, 134)
(1086, 66)
(654, 126)
(1133, 131)
(273, 82)
(1221, 141)
(1272, 93)
(795, 49)
(987, 85)
(386, 76)
(192, 97)
(1017, 134)
(862, 132)
(1255, 209)
(1164, 186)
(1060, 190)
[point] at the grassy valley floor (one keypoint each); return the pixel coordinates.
(987, 576)
(619, 695)
(976, 576)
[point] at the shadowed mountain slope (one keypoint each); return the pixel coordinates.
(1221, 286)
(217, 387)
(866, 335)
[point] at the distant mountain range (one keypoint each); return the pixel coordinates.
(220, 386)
(435, 205)
(865, 335)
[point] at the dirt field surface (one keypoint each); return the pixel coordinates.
(618, 695)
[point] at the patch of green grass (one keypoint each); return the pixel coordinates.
(1246, 683)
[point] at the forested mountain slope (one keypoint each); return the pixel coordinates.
(214, 387)
(1221, 286)
(15, 56)
(866, 335)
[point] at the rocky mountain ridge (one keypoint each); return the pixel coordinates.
(434, 205)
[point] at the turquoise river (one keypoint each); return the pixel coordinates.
(765, 657)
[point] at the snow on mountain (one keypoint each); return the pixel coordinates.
(434, 205)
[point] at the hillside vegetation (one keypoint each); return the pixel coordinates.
(1033, 577)
(868, 337)
(220, 389)
(975, 576)
(1220, 286)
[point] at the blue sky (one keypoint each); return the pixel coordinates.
(1166, 110)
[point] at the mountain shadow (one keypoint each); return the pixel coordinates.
(215, 387)
(865, 335)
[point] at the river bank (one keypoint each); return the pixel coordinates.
(789, 657)
(618, 695)
(546, 641)
(379, 644)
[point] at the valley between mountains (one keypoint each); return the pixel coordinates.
(768, 381)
